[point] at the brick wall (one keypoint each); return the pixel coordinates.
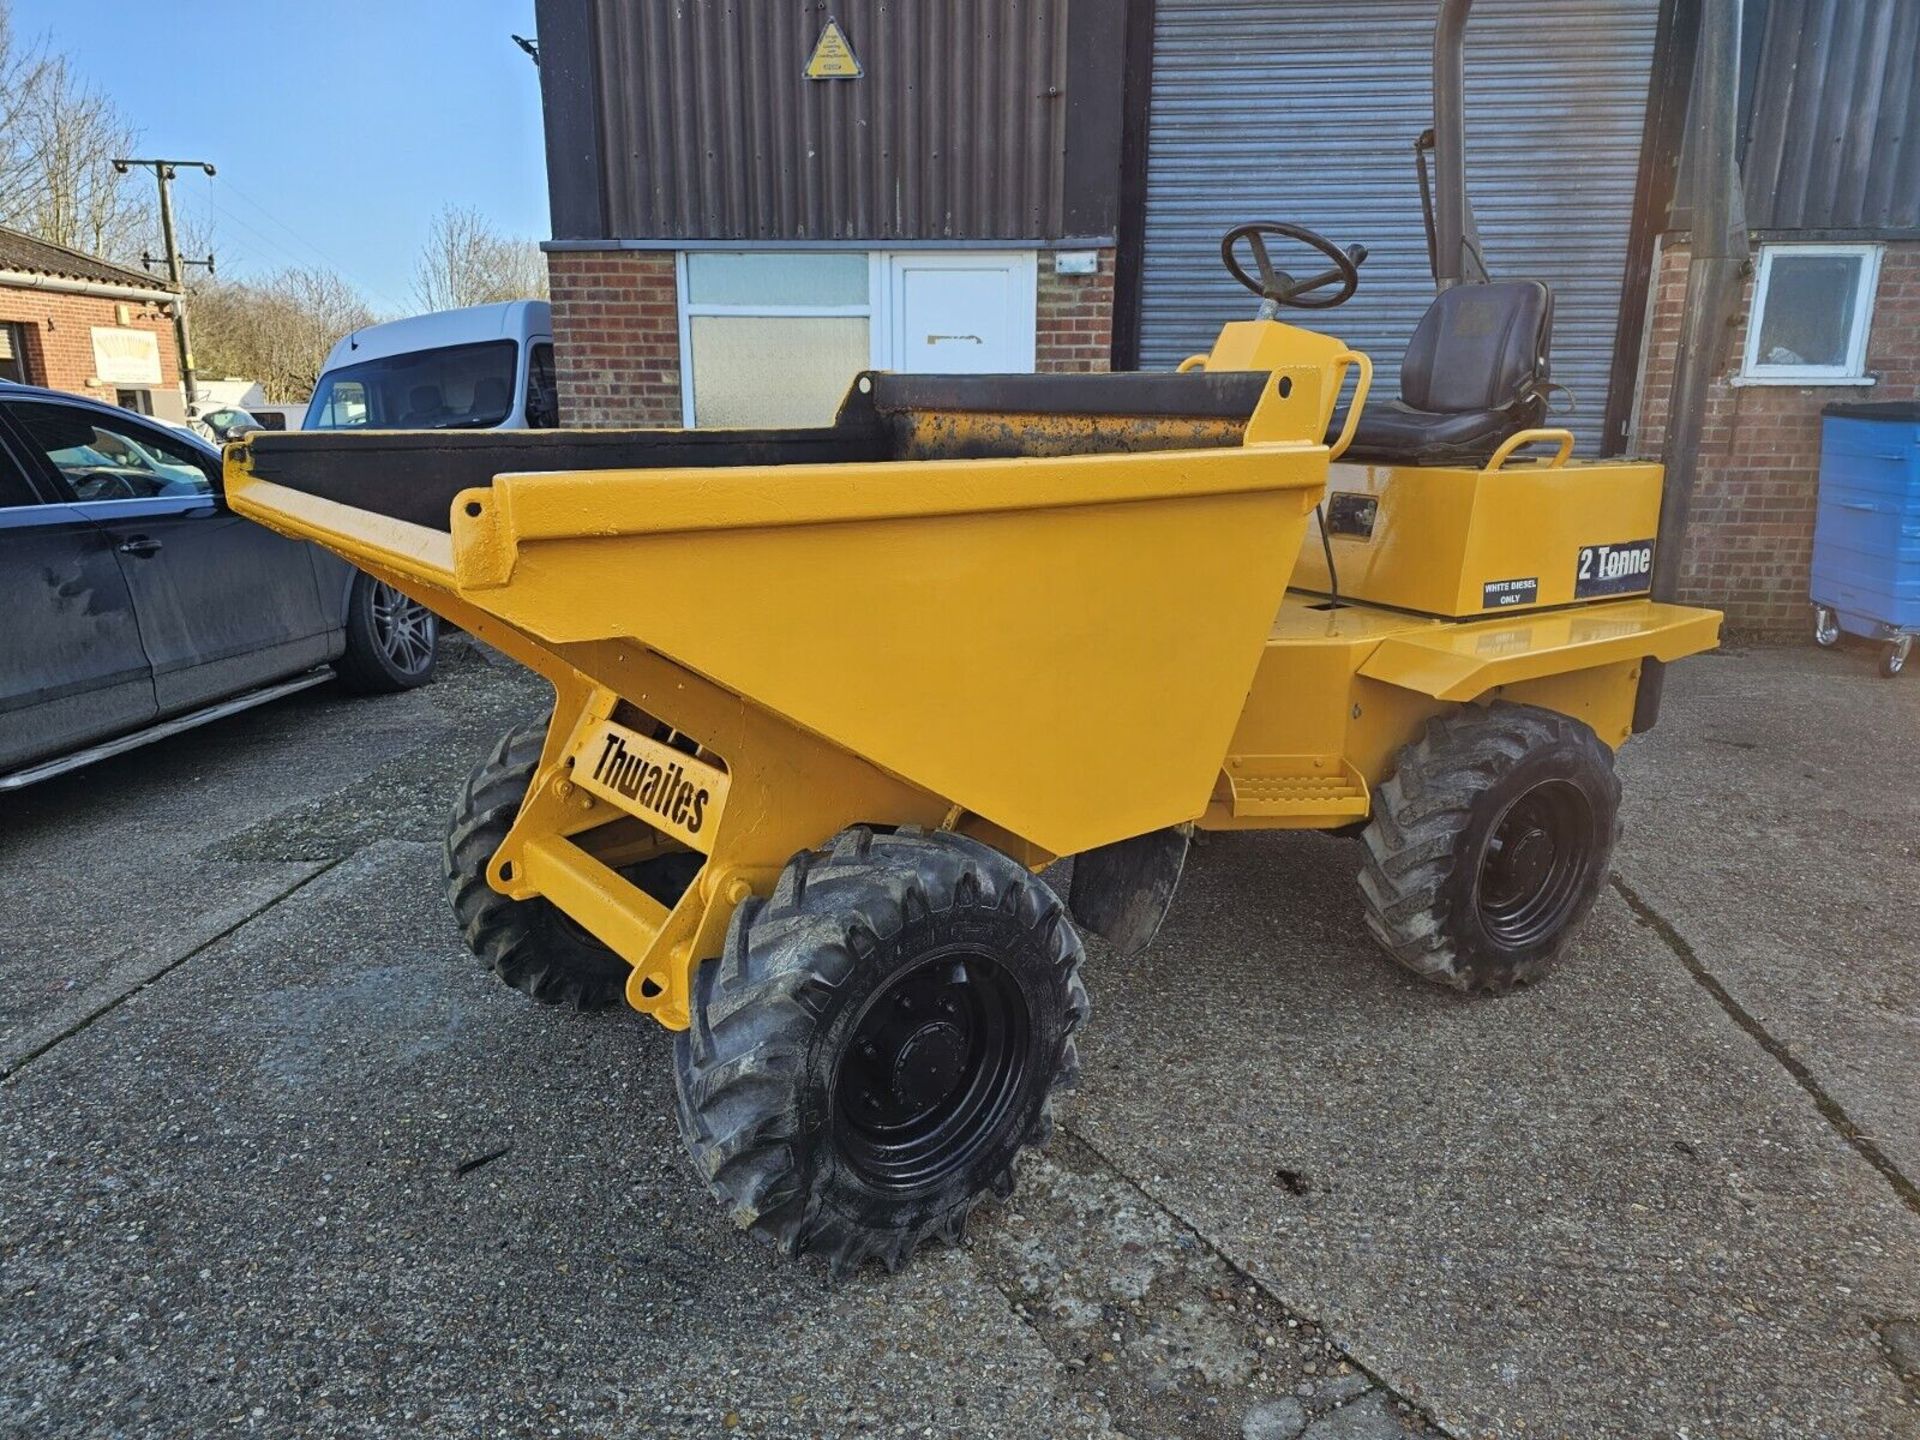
(57, 331)
(1750, 543)
(1073, 317)
(616, 336)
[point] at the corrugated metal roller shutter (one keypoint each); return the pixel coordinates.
(1306, 110)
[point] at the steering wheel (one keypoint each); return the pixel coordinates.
(1277, 286)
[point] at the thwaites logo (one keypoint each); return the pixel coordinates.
(669, 789)
(1613, 569)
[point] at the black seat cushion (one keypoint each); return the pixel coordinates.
(1475, 372)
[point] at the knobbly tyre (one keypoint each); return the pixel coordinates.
(827, 700)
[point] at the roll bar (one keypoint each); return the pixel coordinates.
(1457, 257)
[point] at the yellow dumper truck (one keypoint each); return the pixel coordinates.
(828, 699)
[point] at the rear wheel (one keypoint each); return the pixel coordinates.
(1488, 844)
(878, 1041)
(531, 944)
(392, 640)
(1894, 658)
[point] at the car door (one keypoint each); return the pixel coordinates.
(224, 605)
(72, 668)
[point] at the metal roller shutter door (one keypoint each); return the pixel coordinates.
(1306, 110)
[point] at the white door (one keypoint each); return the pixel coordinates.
(960, 314)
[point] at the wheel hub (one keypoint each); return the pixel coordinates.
(1521, 862)
(930, 1064)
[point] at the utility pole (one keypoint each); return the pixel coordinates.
(164, 171)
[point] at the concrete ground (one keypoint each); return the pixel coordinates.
(276, 1159)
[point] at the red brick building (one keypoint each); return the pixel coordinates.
(79, 323)
(1829, 151)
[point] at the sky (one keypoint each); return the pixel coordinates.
(338, 129)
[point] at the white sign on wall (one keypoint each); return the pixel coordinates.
(126, 357)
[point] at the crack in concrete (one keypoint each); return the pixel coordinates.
(1831, 1110)
(1128, 1332)
(86, 1021)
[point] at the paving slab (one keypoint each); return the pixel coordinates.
(328, 1179)
(1774, 818)
(1596, 1207)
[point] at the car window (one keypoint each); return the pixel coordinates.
(341, 404)
(448, 387)
(14, 490)
(103, 459)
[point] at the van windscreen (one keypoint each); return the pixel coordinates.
(456, 387)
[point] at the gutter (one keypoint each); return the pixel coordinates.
(102, 289)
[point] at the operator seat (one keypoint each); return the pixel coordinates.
(1475, 373)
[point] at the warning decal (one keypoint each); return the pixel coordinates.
(833, 57)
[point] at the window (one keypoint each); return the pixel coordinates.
(13, 354)
(103, 461)
(454, 387)
(140, 402)
(773, 338)
(543, 400)
(1812, 306)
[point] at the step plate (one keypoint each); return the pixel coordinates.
(1295, 786)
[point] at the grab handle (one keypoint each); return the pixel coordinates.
(1562, 438)
(1360, 389)
(1192, 362)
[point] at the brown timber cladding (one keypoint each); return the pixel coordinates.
(698, 122)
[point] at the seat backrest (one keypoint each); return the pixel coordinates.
(1480, 347)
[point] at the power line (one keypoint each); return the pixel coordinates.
(302, 240)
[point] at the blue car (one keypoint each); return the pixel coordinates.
(136, 605)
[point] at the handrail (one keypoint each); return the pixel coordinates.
(1562, 438)
(1360, 389)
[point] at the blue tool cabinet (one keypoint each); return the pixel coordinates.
(1866, 533)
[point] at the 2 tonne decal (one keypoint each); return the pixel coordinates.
(1613, 569)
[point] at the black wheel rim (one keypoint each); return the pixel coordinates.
(403, 628)
(1534, 863)
(936, 1062)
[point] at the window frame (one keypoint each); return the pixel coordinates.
(1853, 370)
(873, 311)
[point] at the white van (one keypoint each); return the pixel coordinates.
(487, 367)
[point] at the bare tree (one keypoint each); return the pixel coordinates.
(277, 331)
(58, 137)
(467, 262)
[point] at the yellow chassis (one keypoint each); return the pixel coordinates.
(1053, 652)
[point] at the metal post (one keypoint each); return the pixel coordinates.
(1714, 267)
(1456, 247)
(164, 172)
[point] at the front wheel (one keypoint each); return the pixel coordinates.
(1826, 627)
(1488, 844)
(877, 1042)
(392, 640)
(1894, 658)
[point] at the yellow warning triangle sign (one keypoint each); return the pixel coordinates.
(833, 57)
